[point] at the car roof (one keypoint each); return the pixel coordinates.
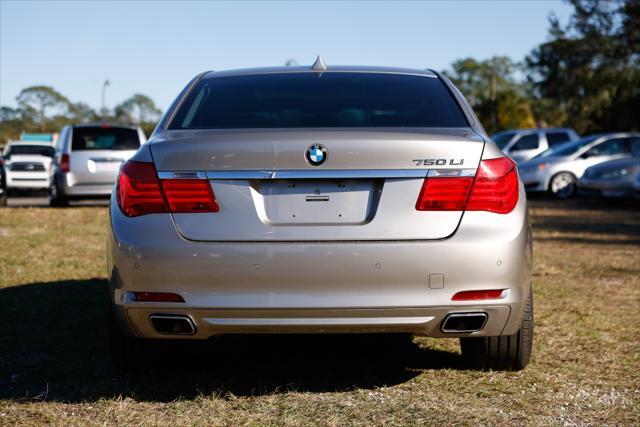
(330, 69)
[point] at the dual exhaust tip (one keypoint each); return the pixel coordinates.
(172, 324)
(456, 323)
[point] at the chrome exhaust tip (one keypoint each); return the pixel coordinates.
(172, 324)
(456, 323)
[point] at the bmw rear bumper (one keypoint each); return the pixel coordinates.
(276, 287)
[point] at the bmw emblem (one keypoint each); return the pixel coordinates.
(316, 155)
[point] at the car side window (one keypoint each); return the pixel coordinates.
(526, 142)
(555, 138)
(608, 148)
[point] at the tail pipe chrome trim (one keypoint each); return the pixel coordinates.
(456, 323)
(172, 324)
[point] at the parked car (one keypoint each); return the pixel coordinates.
(615, 178)
(88, 158)
(525, 144)
(558, 169)
(317, 200)
(27, 165)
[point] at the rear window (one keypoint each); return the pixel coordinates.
(104, 138)
(39, 150)
(300, 100)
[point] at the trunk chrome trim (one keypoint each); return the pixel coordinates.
(317, 174)
(182, 175)
(434, 173)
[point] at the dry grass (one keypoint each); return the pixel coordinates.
(586, 368)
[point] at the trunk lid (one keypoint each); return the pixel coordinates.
(365, 190)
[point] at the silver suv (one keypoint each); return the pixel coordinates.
(315, 200)
(525, 144)
(88, 158)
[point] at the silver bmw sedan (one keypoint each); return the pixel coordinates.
(321, 200)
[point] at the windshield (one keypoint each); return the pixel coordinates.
(39, 150)
(105, 138)
(503, 138)
(568, 148)
(332, 99)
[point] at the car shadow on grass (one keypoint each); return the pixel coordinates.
(53, 345)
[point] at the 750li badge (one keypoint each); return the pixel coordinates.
(438, 162)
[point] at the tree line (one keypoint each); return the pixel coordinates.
(586, 76)
(43, 109)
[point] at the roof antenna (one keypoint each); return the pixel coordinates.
(319, 65)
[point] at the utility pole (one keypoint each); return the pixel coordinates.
(103, 110)
(493, 89)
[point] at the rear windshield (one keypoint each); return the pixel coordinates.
(300, 100)
(104, 138)
(40, 150)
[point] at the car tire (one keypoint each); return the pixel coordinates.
(3, 199)
(125, 351)
(563, 185)
(56, 198)
(503, 353)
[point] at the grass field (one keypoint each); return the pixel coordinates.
(54, 366)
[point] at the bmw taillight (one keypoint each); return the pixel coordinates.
(444, 194)
(65, 163)
(494, 189)
(189, 195)
(141, 192)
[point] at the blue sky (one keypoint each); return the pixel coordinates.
(155, 48)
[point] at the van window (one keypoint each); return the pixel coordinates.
(104, 138)
(503, 138)
(555, 138)
(527, 142)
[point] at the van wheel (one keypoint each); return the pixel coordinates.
(126, 352)
(563, 185)
(504, 353)
(56, 198)
(3, 199)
